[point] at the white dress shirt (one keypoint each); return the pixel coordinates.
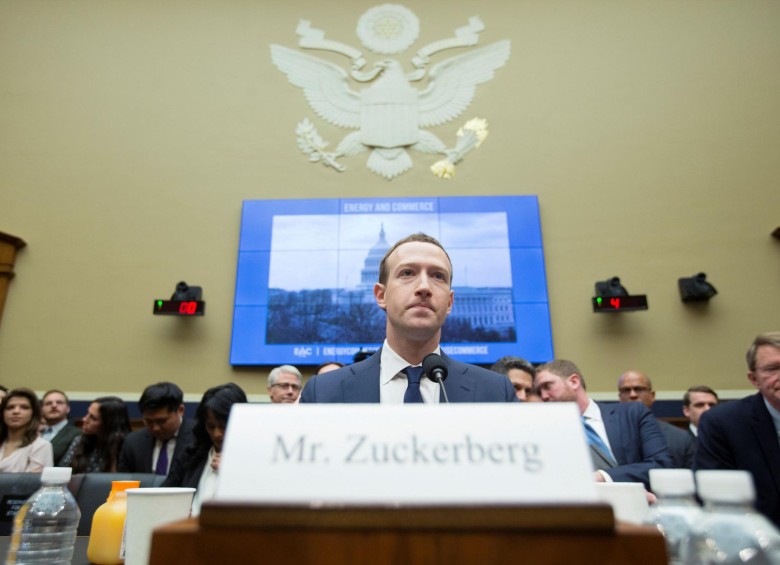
(392, 382)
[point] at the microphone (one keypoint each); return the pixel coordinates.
(436, 370)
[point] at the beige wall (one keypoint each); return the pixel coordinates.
(131, 132)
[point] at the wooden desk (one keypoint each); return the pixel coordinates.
(408, 536)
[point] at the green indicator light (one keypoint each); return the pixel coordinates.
(598, 300)
(159, 303)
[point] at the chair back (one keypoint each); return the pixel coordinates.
(92, 489)
(15, 489)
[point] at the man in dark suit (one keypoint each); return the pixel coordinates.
(414, 290)
(629, 441)
(696, 401)
(745, 434)
(55, 409)
(166, 435)
(635, 386)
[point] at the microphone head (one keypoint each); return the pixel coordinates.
(434, 367)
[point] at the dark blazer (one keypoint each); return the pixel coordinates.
(681, 443)
(61, 441)
(137, 451)
(741, 435)
(359, 383)
(636, 441)
(186, 472)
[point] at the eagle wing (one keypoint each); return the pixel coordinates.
(453, 81)
(324, 85)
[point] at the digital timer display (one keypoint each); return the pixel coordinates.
(179, 307)
(620, 303)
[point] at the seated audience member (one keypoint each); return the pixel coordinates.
(520, 372)
(624, 439)
(327, 367)
(696, 401)
(745, 434)
(634, 386)
(165, 436)
(57, 430)
(21, 450)
(103, 432)
(199, 465)
(3, 391)
(285, 384)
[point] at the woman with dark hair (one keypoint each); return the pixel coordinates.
(22, 450)
(103, 432)
(199, 466)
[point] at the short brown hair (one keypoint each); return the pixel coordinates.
(698, 388)
(563, 368)
(419, 237)
(769, 338)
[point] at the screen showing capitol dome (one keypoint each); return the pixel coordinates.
(307, 269)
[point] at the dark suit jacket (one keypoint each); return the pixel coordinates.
(681, 445)
(61, 441)
(186, 472)
(137, 451)
(636, 441)
(359, 383)
(741, 435)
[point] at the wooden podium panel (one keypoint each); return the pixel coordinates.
(410, 536)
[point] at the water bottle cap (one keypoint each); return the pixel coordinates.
(672, 481)
(56, 474)
(726, 486)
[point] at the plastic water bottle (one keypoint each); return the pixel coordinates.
(731, 530)
(676, 512)
(45, 526)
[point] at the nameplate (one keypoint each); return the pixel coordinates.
(396, 454)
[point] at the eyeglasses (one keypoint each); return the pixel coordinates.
(287, 385)
(771, 370)
(636, 389)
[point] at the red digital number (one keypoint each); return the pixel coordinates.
(615, 302)
(187, 307)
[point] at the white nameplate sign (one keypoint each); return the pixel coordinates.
(395, 454)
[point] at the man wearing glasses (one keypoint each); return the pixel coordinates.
(745, 434)
(635, 386)
(284, 384)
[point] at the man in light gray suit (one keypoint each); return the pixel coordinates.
(414, 290)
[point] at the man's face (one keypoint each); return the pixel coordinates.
(163, 423)
(522, 381)
(54, 408)
(634, 387)
(285, 390)
(700, 403)
(417, 296)
(553, 388)
(766, 377)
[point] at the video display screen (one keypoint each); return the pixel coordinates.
(307, 269)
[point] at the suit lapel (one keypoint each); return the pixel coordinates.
(362, 386)
(764, 428)
(614, 431)
(460, 387)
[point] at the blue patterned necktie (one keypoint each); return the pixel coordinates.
(162, 460)
(413, 376)
(594, 440)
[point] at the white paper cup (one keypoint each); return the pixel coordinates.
(148, 508)
(628, 500)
